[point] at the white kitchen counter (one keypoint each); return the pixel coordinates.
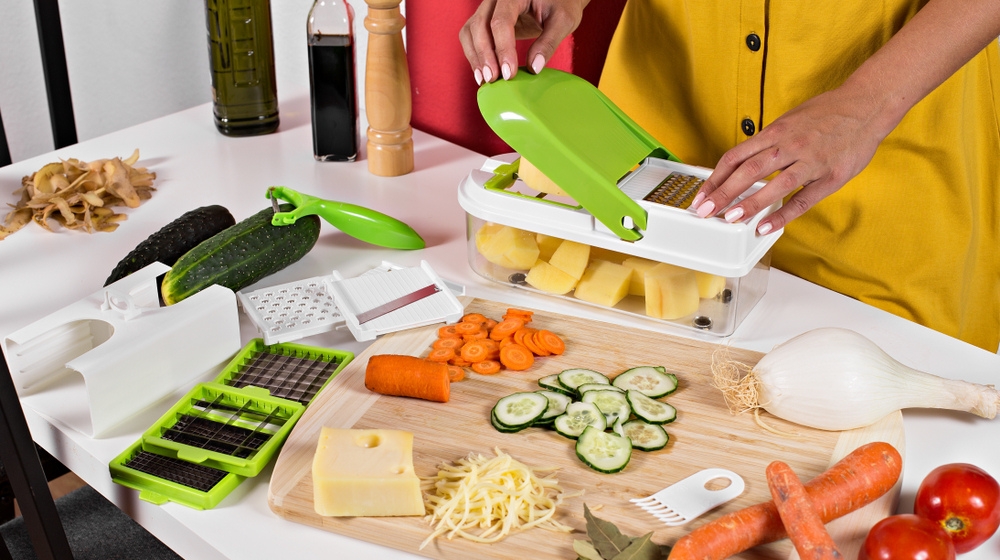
(195, 165)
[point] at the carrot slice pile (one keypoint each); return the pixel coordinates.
(488, 346)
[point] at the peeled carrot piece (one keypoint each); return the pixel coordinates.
(468, 328)
(506, 328)
(453, 343)
(805, 528)
(407, 376)
(474, 352)
(486, 367)
(550, 341)
(448, 331)
(516, 357)
(456, 373)
(477, 318)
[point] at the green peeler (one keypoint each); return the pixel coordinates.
(577, 137)
(357, 221)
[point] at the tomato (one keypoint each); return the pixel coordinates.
(907, 537)
(964, 500)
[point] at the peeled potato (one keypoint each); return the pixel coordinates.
(536, 179)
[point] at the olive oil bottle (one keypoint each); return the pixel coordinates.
(241, 60)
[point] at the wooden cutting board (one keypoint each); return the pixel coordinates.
(704, 435)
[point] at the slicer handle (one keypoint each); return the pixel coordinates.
(387, 91)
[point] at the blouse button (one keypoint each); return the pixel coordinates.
(748, 127)
(753, 42)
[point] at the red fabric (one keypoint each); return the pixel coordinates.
(442, 85)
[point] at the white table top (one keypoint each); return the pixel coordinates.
(195, 165)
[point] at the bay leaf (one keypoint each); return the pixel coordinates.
(586, 551)
(605, 536)
(643, 548)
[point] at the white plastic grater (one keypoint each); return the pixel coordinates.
(687, 499)
(291, 311)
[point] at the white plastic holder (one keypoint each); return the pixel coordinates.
(98, 362)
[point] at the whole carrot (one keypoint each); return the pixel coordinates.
(858, 479)
(801, 521)
(407, 376)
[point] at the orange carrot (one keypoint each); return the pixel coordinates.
(529, 342)
(550, 341)
(481, 334)
(441, 354)
(407, 376)
(486, 367)
(489, 324)
(458, 361)
(448, 331)
(506, 341)
(468, 328)
(456, 373)
(474, 352)
(516, 357)
(453, 343)
(858, 479)
(803, 524)
(477, 318)
(519, 334)
(506, 328)
(523, 314)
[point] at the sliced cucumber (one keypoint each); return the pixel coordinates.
(505, 429)
(578, 416)
(611, 402)
(644, 436)
(652, 381)
(557, 405)
(597, 387)
(520, 410)
(573, 378)
(602, 451)
(551, 382)
(650, 410)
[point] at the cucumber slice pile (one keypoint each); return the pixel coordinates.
(582, 404)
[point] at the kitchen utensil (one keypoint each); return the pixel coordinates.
(685, 500)
(291, 311)
(705, 434)
(357, 221)
(401, 301)
(119, 352)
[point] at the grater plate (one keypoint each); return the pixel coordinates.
(192, 475)
(291, 311)
(676, 190)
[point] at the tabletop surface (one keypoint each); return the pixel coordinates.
(196, 166)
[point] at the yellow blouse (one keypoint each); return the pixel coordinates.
(917, 233)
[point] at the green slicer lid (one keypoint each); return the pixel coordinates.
(577, 137)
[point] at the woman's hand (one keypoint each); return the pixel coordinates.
(488, 38)
(819, 145)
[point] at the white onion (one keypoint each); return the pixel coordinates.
(836, 379)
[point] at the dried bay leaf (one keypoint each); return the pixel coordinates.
(604, 535)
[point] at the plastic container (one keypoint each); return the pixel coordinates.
(241, 62)
(333, 80)
(702, 275)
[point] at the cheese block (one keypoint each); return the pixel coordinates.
(362, 473)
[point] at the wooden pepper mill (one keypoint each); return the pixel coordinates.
(387, 91)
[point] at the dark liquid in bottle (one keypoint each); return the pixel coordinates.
(334, 101)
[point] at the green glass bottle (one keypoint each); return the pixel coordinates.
(241, 61)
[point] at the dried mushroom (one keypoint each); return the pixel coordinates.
(79, 194)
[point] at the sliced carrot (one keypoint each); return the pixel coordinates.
(516, 357)
(475, 336)
(805, 528)
(489, 324)
(486, 367)
(458, 361)
(448, 331)
(529, 342)
(506, 328)
(519, 314)
(477, 318)
(506, 341)
(441, 354)
(550, 341)
(456, 373)
(468, 328)
(407, 376)
(453, 343)
(474, 352)
(519, 334)
(858, 479)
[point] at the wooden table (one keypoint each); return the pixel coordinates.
(43, 272)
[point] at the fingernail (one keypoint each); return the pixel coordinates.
(537, 63)
(698, 198)
(734, 214)
(706, 210)
(764, 228)
(505, 70)
(487, 74)
(479, 76)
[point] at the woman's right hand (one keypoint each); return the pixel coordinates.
(488, 38)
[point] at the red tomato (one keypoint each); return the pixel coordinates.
(907, 537)
(964, 500)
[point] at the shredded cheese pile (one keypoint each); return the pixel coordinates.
(494, 495)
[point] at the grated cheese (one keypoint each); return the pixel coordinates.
(484, 499)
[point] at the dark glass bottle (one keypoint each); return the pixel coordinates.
(241, 60)
(332, 81)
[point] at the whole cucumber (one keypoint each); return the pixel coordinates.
(174, 239)
(240, 255)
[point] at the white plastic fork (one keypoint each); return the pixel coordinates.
(685, 500)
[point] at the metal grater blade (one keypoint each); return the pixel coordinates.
(287, 377)
(215, 436)
(676, 190)
(192, 475)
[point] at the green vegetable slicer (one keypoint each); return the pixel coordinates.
(100, 361)
(624, 190)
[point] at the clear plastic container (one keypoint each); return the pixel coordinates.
(561, 251)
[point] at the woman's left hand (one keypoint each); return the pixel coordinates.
(819, 146)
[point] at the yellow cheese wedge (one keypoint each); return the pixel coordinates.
(604, 283)
(548, 278)
(671, 292)
(536, 179)
(361, 473)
